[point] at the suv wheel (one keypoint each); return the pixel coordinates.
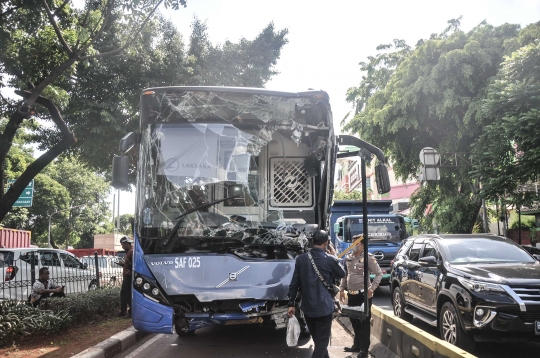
(451, 330)
(399, 305)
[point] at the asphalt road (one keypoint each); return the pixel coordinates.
(525, 349)
(243, 341)
(249, 341)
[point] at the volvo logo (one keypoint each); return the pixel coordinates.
(233, 276)
(378, 255)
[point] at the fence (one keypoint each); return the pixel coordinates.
(19, 271)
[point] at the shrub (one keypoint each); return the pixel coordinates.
(84, 307)
(19, 320)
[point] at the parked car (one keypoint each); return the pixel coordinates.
(65, 269)
(472, 287)
(110, 273)
(534, 251)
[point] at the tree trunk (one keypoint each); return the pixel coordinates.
(474, 217)
(67, 232)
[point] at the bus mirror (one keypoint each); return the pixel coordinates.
(382, 179)
(120, 175)
(127, 142)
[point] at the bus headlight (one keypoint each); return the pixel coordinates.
(149, 288)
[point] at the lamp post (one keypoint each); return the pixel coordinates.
(56, 212)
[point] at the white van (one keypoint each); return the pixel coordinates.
(110, 273)
(64, 267)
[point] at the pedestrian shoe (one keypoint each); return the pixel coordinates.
(363, 354)
(351, 349)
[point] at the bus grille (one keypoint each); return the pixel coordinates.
(290, 183)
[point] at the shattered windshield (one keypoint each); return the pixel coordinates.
(232, 170)
(188, 167)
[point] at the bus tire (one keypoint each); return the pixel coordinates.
(182, 332)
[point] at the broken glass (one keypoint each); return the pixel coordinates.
(203, 184)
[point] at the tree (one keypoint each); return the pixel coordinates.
(507, 153)
(126, 224)
(87, 195)
(41, 43)
(101, 115)
(433, 98)
(352, 195)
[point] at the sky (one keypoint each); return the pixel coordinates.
(327, 39)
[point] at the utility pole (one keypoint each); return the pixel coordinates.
(113, 214)
(118, 217)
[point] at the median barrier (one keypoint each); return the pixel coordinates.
(392, 337)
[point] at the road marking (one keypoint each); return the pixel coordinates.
(143, 347)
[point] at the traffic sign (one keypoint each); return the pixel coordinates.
(26, 197)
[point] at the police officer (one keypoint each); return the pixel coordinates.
(353, 282)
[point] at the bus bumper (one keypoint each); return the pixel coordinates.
(150, 316)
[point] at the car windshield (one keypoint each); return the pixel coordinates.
(483, 250)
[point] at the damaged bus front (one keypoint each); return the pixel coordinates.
(231, 184)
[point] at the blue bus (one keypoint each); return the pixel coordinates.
(230, 185)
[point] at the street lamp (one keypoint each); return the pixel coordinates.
(56, 212)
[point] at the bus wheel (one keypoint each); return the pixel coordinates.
(183, 332)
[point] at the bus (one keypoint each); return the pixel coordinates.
(230, 185)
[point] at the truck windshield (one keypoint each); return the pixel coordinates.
(384, 229)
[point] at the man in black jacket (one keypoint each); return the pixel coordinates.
(317, 302)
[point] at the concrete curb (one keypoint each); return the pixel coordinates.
(114, 345)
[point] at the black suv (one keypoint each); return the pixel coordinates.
(476, 287)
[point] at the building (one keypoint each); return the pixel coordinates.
(349, 179)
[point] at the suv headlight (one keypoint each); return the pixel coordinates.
(478, 286)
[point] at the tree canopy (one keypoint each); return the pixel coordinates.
(433, 96)
(507, 154)
(82, 71)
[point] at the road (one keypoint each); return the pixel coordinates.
(248, 341)
(244, 341)
(526, 349)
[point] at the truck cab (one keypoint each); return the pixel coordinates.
(385, 231)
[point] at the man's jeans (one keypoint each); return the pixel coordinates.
(125, 294)
(320, 329)
(361, 329)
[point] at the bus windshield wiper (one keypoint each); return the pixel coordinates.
(187, 212)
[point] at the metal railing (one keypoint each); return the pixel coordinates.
(17, 276)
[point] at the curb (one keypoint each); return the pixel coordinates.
(114, 345)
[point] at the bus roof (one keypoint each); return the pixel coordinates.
(248, 90)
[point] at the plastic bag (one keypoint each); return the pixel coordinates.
(293, 332)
